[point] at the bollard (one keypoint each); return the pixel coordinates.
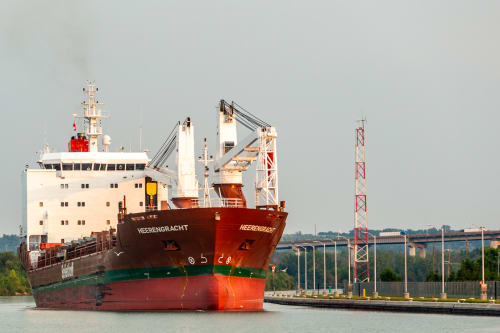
(336, 294)
(406, 295)
(442, 296)
(375, 294)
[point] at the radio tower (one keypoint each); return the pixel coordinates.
(361, 264)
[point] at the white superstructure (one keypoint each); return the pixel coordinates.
(75, 193)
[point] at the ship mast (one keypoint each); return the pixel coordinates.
(92, 115)
(206, 188)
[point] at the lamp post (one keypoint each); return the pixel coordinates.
(375, 293)
(406, 293)
(336, 292)
(349, 286)
(324, 267)
(305, 267)
(484, 286)
(314, 269)
(443, 294)
(298, 271)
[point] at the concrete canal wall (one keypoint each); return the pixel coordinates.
(399, 306)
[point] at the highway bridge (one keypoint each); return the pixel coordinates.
(414, 241)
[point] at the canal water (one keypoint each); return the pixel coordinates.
(17, 314)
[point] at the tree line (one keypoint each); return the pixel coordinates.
(13, 280)
(459, 266)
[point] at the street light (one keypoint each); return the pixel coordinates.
(484, 287)
(305, 267)
(443, 294)
(298, 271)
(375, 293)
(324, 267)
(336, 292)
(406, 293)
(349, 287)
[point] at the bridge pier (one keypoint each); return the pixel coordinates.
(421, 249)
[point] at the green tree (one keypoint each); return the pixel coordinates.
(389, 275)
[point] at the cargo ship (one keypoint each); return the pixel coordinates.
(116, 230)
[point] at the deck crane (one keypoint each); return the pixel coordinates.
(181, 139)
(233, 158)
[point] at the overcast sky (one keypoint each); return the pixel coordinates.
(426, 75)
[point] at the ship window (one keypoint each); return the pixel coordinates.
(228, 145)
(56, 166)
(107, 204)
(108, 222)
(81, 204)
(86, 166)
(40, 204)
(111, 167)
(103, 167)
(41, 222)
(140, 166)
(130, 166)
(97, 166)
(48, 166)
(64, 204)
(64, 186)
(66, 222)
(83, 222)
(77, 166)
(113, 185)
(79, 222)
(141, 203)
(85, 185)
(67, 166)
(62, 222)
(120, 167)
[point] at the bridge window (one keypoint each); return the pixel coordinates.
(77, 166)
(97, 166)
(141, 166)
(111, 167)
(120, 167)
(67, 167)
(56, 166)
(103, 167)
(86, 166)
(48, 166)
(130, 167)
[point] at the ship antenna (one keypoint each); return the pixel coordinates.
(92, 115)
(206, 188)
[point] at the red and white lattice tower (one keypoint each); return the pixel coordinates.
(361, 264)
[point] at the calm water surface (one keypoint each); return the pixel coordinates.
(17, 314)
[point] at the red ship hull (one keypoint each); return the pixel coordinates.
(184, 259)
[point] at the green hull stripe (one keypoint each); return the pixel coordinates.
(152, 273)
